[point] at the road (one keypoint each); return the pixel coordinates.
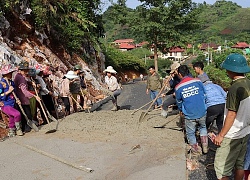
(132, 97)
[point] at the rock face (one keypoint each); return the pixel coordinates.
(37, 49)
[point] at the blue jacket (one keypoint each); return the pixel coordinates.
(190, 97)
(8, 100)
(214, 94)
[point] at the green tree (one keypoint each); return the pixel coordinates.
(71, 22)
(164, 22)
(122, 61)
(139, 52)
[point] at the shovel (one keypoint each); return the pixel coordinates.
(29, 122)
(81, 108)
(46, 117)
(163, 125)
(50, 116)
(140, 108)
(84, 100)
(143, 114)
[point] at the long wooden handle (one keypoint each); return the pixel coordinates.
(158, 95)
(141, 107)
(20, 106)
(41, 104)
(29, 122)
(83, 98)
(76, 101)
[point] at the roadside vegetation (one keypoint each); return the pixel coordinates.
(163, 24)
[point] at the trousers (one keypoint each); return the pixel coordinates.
(14, 115)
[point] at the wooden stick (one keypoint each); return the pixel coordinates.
(46, 117)
(82, 168)
(141, 107)
(29, 122)
(158, 95)
(76, 101)
(83, 99)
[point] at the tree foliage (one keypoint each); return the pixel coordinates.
(122, 61)
(141, 53)
(163, 22)
(71, 22)
(223, 22)
(214, 71)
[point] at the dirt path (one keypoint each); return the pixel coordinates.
(113, 144)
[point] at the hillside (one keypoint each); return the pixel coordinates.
(224, 20)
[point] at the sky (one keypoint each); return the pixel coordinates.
(134, 3)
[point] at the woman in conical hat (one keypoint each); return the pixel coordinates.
(7, 101)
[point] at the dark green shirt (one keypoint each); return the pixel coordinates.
(238, 100)
(154, 82)
(75, 87)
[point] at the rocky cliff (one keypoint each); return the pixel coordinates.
(20, 41)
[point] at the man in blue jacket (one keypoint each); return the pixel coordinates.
(190, 98)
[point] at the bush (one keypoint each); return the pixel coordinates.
(218, 76)
(121, 60)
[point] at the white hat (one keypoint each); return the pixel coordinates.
(70, 75)
(174, 66)
(110, 69)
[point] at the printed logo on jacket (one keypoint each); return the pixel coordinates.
(190, 91)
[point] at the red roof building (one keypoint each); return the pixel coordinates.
(120, 41)
(126, 46)
(174, 53)
(205, 46)
(241, 45)
(176, 49)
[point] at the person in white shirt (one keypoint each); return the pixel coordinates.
(112, 85)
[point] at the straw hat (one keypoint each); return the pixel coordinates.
(70, 75)
(24, 65)
(6, 69)
(174, 66)
(110, 69)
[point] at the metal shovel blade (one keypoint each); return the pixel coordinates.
(164, 124)
(160, 126)
(52, 118)
(32, 125)
(50, 131)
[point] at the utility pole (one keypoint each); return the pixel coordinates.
(105, 38)
(211, 56)
(208, 54)
(193, 48)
